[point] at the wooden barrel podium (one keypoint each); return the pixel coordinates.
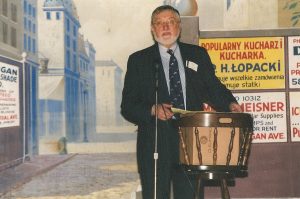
(215, 146)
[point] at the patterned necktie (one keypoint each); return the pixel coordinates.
(176, 93)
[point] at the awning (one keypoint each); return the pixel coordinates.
(51, 87)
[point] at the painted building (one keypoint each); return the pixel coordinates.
(61, 100)
(11, 29)
(30, 46)
(86, 54)
(109, 86)
(91, 52)
(18, 24)
(108, 81)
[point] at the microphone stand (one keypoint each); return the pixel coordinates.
(155, 155)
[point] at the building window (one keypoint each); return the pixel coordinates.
(74, 31)
(25, 42)
(57, 15)
(48, 15)
(33, 28)
(14, 12)
(68, 25)
(68, 59)
(33, 12)
(68, 41)
(74, 62)
(25, 7)
(25, 23)
(4, 7)
(4, 32)
(29, 9)
(74, 45)
(29, 43)
(13, 37)
(29, 25)
(33, 46)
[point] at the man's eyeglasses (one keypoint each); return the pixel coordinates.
(170, 22)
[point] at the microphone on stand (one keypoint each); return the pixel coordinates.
(155, 155)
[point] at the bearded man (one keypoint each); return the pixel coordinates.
(162, 70)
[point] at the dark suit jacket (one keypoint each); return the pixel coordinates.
(139, 96)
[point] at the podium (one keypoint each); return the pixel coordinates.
(215, 146)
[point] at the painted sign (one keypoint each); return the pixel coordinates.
(248, 63)
(295, 116)
(294, 61)
(269, 115)
(9, 95)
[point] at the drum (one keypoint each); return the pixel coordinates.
(215, 138)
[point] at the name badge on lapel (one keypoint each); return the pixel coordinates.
(192, 65)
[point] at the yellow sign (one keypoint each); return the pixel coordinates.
(248, 63)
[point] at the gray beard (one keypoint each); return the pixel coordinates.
(164, 43)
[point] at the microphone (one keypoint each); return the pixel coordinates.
(156, 66)
(155, 154)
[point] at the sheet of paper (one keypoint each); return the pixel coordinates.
(181, 111)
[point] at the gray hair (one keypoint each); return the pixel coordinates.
(164, 8)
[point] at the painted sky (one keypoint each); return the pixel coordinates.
(116, 28)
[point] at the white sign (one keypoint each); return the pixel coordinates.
(294, 61)
(9, 95)
(269, 114)
(295, 116)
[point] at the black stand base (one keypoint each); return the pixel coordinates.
(221, 174)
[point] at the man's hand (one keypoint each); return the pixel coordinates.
(235, 107)
(163, 111)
